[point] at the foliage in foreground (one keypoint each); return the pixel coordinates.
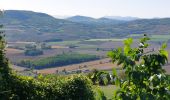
(74, 87)
(100, 77)
(146, 79)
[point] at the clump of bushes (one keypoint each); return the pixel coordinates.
(100, 77)
(75, 87)
(33, 52)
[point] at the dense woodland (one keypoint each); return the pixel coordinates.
(58, 60)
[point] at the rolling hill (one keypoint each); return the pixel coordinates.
(31, 26)
(148, 26)
(81, 19)
(34, 26)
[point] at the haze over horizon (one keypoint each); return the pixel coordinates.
(93, 8)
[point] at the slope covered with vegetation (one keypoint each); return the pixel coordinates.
(33, 26)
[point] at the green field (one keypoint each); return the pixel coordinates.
(64, 43)
(160, 37)
(89, 41)
(109, 90)
(109, 39)
(155, 38)
(135, 35)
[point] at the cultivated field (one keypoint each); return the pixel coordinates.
(103, 64)
(98, 47)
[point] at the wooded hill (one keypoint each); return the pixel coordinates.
(33, 26)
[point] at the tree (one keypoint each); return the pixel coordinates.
(4, 66)
(146, 79)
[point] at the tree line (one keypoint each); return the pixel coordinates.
(58, 60)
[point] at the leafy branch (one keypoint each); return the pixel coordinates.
(146, 79)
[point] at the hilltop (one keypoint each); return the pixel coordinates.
(34, 26)
(93, 21)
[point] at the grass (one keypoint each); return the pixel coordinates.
(160, 37)
(155, 38)
(109, 90)
(64, 43)
(135, 35)
(111, 39)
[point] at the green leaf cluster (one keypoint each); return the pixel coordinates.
(145, 77)
(50, 87)
(100, 77)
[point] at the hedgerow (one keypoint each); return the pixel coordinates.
(74, 87)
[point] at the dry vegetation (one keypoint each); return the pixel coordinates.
(11, 51)
(103, 64)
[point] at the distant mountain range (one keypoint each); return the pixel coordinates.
(93, 21)
(128, 18)
(33, 26)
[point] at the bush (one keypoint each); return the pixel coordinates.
(35, 52)
(75, 87)
(100, 77)
(103, 81)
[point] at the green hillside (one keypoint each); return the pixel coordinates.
(30, 26)
(33, 26)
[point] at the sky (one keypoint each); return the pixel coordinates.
(93, 8)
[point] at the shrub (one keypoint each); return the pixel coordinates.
(100, 77)
(75, 87)
(103, 81)
(35, 52)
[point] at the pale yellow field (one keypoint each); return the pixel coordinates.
(13, 51)
(103, 64)
(57, 47)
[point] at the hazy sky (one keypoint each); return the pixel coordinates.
(93, 8)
